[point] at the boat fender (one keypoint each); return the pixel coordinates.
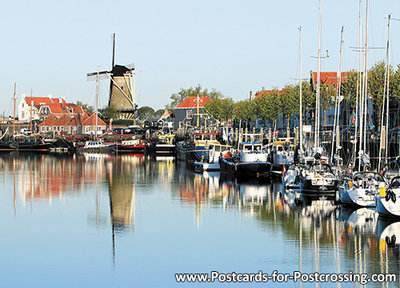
(387, 196)
(390, 241)
(393, 197)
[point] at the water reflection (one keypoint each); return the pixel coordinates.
(312, 233)
(329, 238)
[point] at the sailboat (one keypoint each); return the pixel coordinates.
(388, 201)
(361, 187)
(317, 176)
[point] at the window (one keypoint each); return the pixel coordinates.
(189, 114)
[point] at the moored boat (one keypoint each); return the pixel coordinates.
(249, 161)
(388, 200)
(318, 179)
(210, 159)
(360, 189)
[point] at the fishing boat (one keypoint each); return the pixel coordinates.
(360, 189)
(130, 146)
(210, 159)
(281, 154)
(388, 200)
(97, 146)
(250, 160)
(162, 145)
(194, 147)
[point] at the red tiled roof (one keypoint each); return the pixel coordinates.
(49, 121)
(63, 120)
(91, 121)
(328, 77)
(38, 100)
(75, 107)
(267, 92)
(191, 102)
(56, 107)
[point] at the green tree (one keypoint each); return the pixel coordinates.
(193, 92)
(327, 98)
(157, 114)
(269, 105)
(144, 113)
(290, 102)
(109, 112)
(221, 109)
(349, 88)
(245, 110)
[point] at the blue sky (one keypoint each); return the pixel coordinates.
(232, 46)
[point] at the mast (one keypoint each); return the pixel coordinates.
(96, 103)
(317, 98)
(30, 126)
(300, 96)
(387, 91)
(15, 100)
(366, 78)
(112, 68)
(198, 113)
(339, 81)
(358, 92)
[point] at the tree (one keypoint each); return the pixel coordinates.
(221, 109)
(177, 98)
(289, 102)
(327, 98)
(110, 112)
(144, 113)
(245, 110)
(268, 105)
(349, 88)
(158, 113)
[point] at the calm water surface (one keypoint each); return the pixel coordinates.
(132, 221)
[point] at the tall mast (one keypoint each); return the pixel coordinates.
(385, 103)
(15, 100)
(358, 92)
(366, 79)
(30, 125)
(96, 102)
(112, 68)
(317, 98)
(198, 108)
(300, 96)
(339, 82)
(387, 91)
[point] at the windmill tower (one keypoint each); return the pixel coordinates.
(122, 87)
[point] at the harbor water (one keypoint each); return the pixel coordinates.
(97, 220)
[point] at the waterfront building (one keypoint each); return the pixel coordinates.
(186, 112)
(40, 108)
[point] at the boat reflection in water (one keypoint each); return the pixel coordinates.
(312, 233)
(329, 238)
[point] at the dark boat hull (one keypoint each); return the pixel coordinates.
(251, 169)
(308, 187)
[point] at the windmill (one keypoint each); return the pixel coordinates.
(122, 86)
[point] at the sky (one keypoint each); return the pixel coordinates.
(232, 46)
